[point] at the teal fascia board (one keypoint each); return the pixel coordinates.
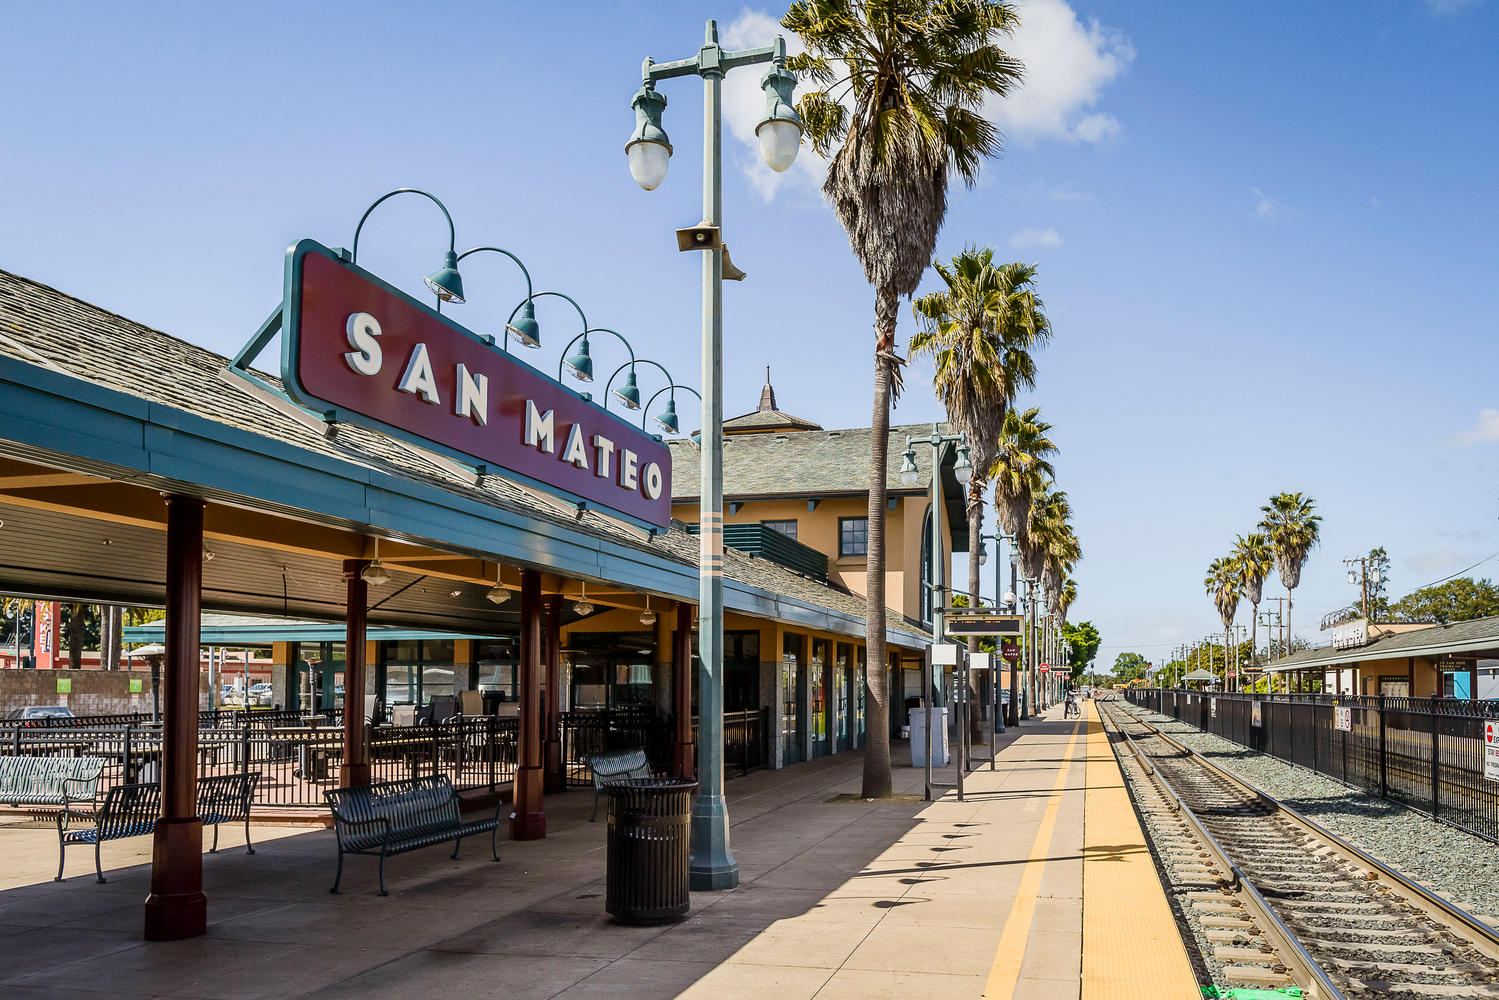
(57, 416)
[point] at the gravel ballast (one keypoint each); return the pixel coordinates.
(1449, 862)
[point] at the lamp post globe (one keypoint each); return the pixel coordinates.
(908, 472)
(648, 150)
(963, 470)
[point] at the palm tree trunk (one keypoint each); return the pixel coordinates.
(877, 781)
(1014, 711)
(975, 528)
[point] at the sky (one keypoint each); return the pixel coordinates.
(1265, 235)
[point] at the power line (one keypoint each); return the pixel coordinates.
(1453, 576)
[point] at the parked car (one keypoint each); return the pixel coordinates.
(41, 712)
(260, 694)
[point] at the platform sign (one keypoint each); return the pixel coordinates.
(135, 685)
(1491, 750)
(1342, 718)
(1256, 719)
(1046, 668)
(978, 624)
(1010, 650)
(358, 350)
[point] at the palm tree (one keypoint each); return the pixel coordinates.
(1293, 531)
(980, 331)
(1050, 548)
(900, 88)
(1021, 468)
(1068, 595)
(1255, 559)
(1222, 585)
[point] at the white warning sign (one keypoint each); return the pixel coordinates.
(1342, 718)
(1491, 750)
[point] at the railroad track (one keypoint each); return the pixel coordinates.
(1281, 895)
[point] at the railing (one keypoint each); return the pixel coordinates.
(1426, 753)
(298, 762)
(746, 738)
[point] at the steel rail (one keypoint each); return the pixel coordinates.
(1288, 947)
(1485, 937)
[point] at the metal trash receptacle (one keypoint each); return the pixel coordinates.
(648, 849)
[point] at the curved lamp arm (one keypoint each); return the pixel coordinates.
(452, 234)
(512, 256)
(631, 364)
(584, 338)
(644, 410)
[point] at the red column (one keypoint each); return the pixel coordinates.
(684, 758)
(529, 821)
(356, 767)
(556, 776)
(176, 907)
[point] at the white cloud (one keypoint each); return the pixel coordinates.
(1486, 431)
(1036, 239)
(1268, 208)
(744, 107)
(1067, 66)
(1375, 202)
(1432, 563)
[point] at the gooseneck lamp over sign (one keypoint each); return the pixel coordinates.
(524, 327)
(445, 282)
(667, 418)
(629, 392)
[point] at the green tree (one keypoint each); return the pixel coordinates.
(1222, 585)
(1377, 574)
(980, 330)
(1460, 600)
(1256, 559)
(1294, 531)
(1129, 667)
(900, 86)
(1082, 645)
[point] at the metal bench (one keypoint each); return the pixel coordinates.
(128, 811)
(610, 764)
(226, 798)
(393, 817)
(49, 781)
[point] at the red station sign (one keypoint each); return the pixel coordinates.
(362, 351)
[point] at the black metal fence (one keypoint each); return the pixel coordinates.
(1426, 753)
(746, 739)
(299, 761)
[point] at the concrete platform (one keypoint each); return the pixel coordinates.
(991, 896)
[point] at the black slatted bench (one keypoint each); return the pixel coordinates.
(128, 811)
(393, 817)
(226, 798)
(610, 765)
(49, 781)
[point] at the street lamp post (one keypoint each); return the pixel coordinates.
(649, 151)
(996, 721)
(909, 476)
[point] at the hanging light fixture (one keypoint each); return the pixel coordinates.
(647, 617)
(909, 476)
(497, 594)
(376, 573)
(584, 607)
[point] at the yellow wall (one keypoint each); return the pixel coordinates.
(818, 529)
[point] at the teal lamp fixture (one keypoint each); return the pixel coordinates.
(580, 362)
(909, 474)
(522, 322)
(963, 470)
(446, 283)
(780, 133)
(667, 418)
(524, 327)
(648, 149)
(629, 392)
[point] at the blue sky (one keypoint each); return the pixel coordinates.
(1265, 234)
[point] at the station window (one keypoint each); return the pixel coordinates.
(787, 528)
(853, 536)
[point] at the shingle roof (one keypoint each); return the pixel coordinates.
(801, 463)
(40, 325)
(1439, 640)
(768, 420)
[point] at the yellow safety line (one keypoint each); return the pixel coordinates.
(1009, 956)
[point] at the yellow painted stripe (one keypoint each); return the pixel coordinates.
(1008, 958)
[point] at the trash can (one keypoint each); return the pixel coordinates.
(648, 845)
(938, 742)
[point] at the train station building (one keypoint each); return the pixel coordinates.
(1453, 660)
(139, 469)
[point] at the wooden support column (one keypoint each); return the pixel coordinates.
(356, 766)
(529, 821)
(684, 755)
(176, 907)
(555, 779)
(1473, 679)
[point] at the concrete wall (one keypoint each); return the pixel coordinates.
(95, 692)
